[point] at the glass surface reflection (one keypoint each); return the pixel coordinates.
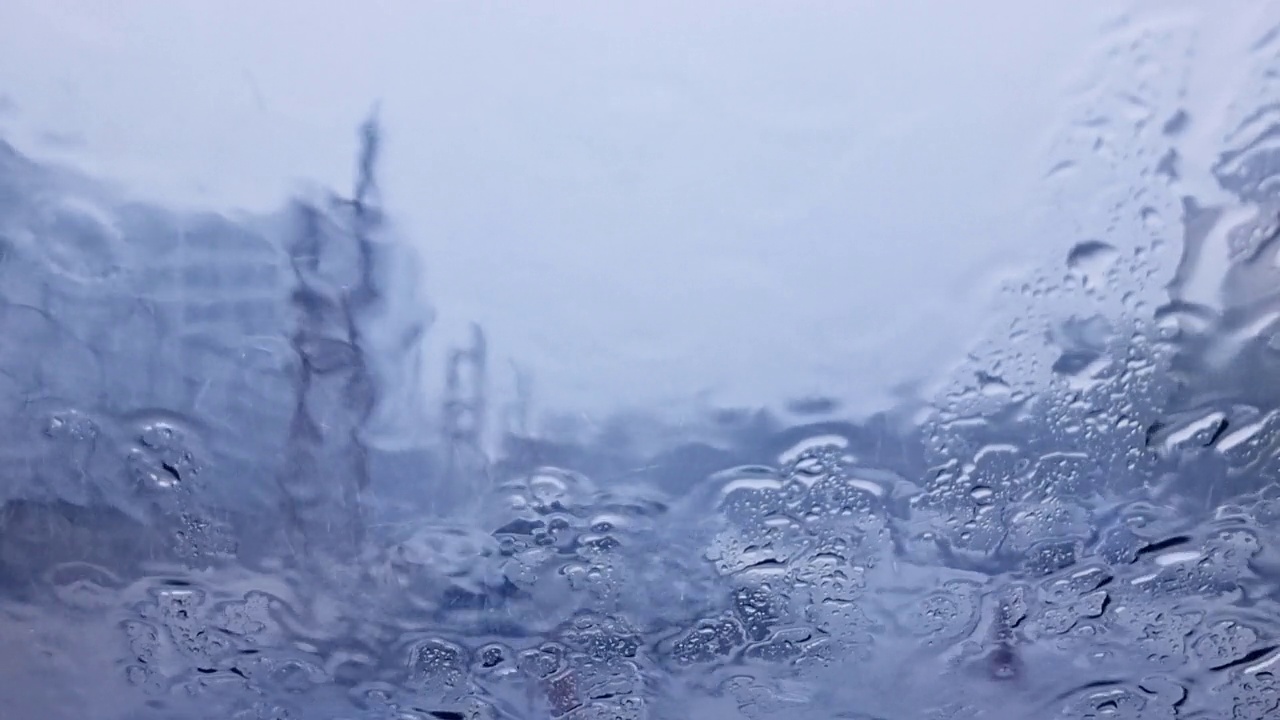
(249, 469)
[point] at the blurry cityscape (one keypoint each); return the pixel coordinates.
(230, 488)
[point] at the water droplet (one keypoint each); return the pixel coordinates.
(1091, 257)
(982, 494)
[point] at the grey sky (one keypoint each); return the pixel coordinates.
(639, 202)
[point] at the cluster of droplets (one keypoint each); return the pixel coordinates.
(1124, 468)
(761, 586)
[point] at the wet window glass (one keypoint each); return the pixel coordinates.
(639, 361)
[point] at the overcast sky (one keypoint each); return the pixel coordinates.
(640, 202)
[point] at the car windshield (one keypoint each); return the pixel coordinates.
(639, 361)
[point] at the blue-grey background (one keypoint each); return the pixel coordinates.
(482, 361)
